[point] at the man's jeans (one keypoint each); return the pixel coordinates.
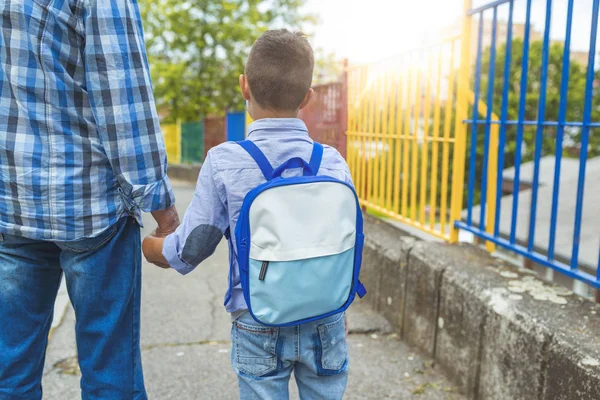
(265, 357)
(103, 277)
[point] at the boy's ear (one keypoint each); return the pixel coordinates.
(307, 98)
(244, 87)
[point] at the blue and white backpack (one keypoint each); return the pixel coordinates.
(299, 243)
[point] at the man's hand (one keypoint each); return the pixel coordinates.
(167, 220)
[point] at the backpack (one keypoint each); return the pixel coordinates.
(299, 243)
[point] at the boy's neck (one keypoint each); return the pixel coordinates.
(263, 114)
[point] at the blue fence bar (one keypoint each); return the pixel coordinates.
(503, 117)
(585, 132)
(540, 128)
(487, 6)
(533, 123)
(522, 98)
(236, 126)
(473, 153)
(562, 116)
(488, 126)
(535, 256)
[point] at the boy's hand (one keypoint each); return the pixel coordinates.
(152, 249)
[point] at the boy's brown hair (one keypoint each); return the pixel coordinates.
(280, 69)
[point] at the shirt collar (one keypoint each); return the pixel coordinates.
(277, 126)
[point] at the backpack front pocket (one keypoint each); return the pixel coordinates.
(286, 291)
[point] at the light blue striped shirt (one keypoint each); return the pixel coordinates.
(227, 175)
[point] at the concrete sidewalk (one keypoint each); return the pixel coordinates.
(186, 344)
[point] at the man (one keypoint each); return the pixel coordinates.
(81, 157)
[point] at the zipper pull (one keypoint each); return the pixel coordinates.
(263, 270)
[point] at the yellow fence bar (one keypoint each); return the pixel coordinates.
(425, 145)
(172, 139)
(435, 142)
(446, 147)
(401, 83)
(363, 98)
(384, 100)
(391, 141)
(458, 170)
(405, 142)
(415, 145)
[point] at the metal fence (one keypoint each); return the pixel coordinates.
(433, 133)
(406, 137)
(542, 247)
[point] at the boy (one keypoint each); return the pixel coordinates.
(276, 85)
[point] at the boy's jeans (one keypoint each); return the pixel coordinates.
(265, 357)
(103, 277)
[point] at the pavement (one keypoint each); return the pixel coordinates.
(186, 343)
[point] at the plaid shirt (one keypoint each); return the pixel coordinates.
(80, 141)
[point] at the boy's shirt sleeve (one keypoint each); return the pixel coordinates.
(203, 226)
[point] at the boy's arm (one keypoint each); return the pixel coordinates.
(201, 230)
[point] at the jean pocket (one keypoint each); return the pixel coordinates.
(255, 349)
(92, 244)
(332, 357)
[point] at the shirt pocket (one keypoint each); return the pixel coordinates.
(254, 349)
(332, 352)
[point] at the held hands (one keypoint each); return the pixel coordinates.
(168, 221)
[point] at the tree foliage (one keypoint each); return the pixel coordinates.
(197, 49)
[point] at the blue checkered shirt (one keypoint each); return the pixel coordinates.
(80, 141)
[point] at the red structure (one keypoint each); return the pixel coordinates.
(214, 133)
(326, 115)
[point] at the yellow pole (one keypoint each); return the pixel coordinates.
(370, 141)
(435, 145)
(393, 93)
(491, 184)
(425, 145)
(384, 142)
(446, 143)
(376, 135)
(399, 113)
(492, 170)
(460, 128)
(363, 140)
(415, 148)
(406, 143)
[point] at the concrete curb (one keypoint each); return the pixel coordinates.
(453, 302)
(186, 173)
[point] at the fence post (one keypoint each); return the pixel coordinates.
(459, 127)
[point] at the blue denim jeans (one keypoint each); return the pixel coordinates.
(264, 359)
(103, 277)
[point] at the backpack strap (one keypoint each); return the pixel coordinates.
(259, 157)
(361, 291)
(315, 159)
(261, 160)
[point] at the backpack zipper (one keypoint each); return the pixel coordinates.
(263, 270)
